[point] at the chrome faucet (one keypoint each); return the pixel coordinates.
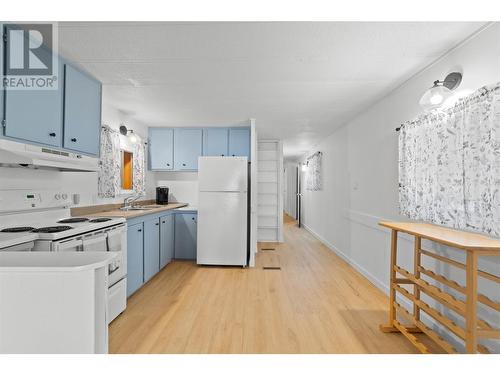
(127, 202)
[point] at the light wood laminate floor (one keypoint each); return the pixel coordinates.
(316, 303)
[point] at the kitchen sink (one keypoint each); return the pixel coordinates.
(136, 208)
(150, 206)
(141, 208)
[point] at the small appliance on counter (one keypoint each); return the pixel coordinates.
(162, 195)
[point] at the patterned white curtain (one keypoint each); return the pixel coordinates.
(449, 164)
(139, 178)
(109, 164)
(313, 175)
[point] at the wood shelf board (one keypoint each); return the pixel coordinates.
(447, 236)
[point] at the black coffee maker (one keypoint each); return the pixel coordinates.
(162, 195)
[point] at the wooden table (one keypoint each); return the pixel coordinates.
(474, 245)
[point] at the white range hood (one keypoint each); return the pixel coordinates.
(25, 155)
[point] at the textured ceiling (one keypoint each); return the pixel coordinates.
(299, 80)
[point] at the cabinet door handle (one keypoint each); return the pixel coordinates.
(192, 218)
(157, 223)
(139, 230)
(73, 139)
(52, 134)
(163, 222)
(183, 164)
(168, 164)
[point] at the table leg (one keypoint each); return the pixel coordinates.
(416, 271)
(394, 258)
(471, 303)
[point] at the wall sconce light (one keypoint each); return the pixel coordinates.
(304, 166)
(124, 131)
(440, 91)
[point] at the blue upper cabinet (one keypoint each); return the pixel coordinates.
(215, 142)
(187, 148)
(67, 117)
(239, 142)
(35, 115)
(178, 149)
(82, 111)
(161, 149)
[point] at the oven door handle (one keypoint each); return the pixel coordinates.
(112, 268)
(113, 239)
(95, 243)
(70, 245)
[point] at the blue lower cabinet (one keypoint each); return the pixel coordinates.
(166, 239)
(135, 258)
(185, 235)
(154, 240)
(151, 248)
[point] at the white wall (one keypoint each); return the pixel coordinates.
(183, 186)
(361, 175)
(290, 188)
(83, 183)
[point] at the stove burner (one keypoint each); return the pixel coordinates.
(73, 220)
(55, 229)
(17, 229)
(100, 220)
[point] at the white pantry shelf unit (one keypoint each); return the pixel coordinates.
(270, 210)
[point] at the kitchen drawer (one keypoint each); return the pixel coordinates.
(117, 299)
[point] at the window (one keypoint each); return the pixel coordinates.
(127, 170)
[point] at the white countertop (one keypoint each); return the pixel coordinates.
(46, 261)
(187, 208)
(11, 239)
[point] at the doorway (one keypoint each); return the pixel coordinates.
(290, 197)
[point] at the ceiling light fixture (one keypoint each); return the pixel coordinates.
(440, 91)
(128, 133)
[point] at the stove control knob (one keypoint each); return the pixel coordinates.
(57, 196)
(65, 196)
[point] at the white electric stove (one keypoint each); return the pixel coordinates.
(40, 220)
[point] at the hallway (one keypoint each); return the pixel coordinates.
(308, 301)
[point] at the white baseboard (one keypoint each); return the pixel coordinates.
(375, 281)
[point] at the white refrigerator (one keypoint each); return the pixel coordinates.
(222, 211)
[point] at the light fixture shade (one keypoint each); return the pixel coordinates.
(132, 137)
(435, 96)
